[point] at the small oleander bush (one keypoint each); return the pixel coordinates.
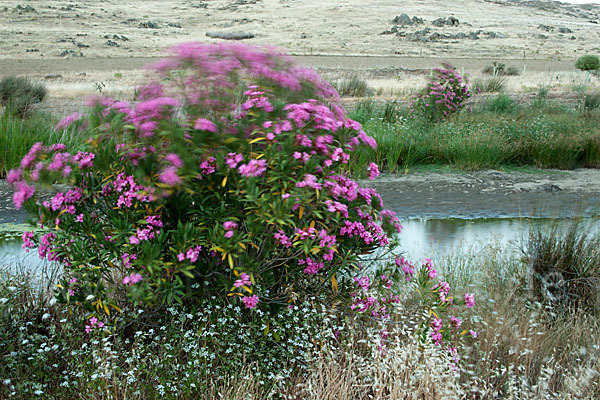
(588, 62)
(445, 94)
(19, 94)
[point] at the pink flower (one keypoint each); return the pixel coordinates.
(233, 159)
(24, 192)
(14, 175)
(373, 171)
(203, 124)
(174, 160)
(282, 238)
(230, 225)
(169, 176)
(243, 281)
(27, 242)
(84, 159)
(407, 267)
(132, 279)
(469, 300)
(253, 168)
(229, 234)
(68, 120)
(208, 166)
(250, 302)
(473, 333)
(455, 322)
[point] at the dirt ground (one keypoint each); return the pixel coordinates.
(83, 48)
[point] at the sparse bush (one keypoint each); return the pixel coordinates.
(354, 86)
(511, 71)
(444, 94)
(489, 85)
(588, 62)
(565, 267)
(18, 94)
(591, 102)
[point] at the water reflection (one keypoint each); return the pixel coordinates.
(434, 238)
(15, 257)
(442, 237)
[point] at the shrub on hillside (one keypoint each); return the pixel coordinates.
(445, 93)
(226, 178)
(18, 94)
(500, 69)
(588, 62)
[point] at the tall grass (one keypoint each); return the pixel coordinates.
(353, 86)
(565, 267)
(496, 133)
(18, 135)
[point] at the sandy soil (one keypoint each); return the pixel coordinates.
(110, 28)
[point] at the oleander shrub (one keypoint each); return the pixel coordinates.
(588, 62)
(19, 94)
(445, 94)
(227, 178)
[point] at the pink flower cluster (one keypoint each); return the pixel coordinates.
(151, 230)
(253, 168)
(92, 324)
(46, 249)
(128, 259)
(147, 114)
(169, 176)
(191, 254)
(250, 301)
(469, 300)
(243, 281)
(132, 279)
(230, 228)
(233, 159)
(282, 238)
(312, 267)
(208, 166)
(27, 242)
(128, 188)
(67, 121)
(365, 303)
(204, 124)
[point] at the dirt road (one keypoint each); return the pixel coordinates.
(46, 67)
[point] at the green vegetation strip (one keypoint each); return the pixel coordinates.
(498, 133)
